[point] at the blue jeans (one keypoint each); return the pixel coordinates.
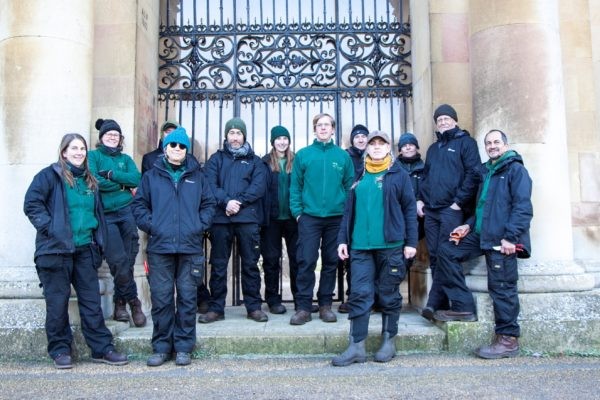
(315, 232)
(122, 245)
(174, 321)
(57, 272)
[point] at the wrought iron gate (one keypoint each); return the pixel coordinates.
(281, 62)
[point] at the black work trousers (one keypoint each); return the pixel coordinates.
(271, 249)
(315, 233)
(438, 225)
(221, 241)
(174, 317)
(57, 272)
(502, 281)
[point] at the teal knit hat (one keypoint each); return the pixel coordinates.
(236, 123)
(278, 131)
(179, 135)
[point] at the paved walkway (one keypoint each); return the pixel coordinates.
(423, 376)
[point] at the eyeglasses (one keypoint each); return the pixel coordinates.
(174, 145)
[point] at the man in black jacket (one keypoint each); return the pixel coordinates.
(447, 191)
(500, 231)
(238, 180)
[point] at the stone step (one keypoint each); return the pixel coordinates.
(237, 335)
(22, 334)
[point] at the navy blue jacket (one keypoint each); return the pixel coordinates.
(243, 179)
(46, 207)
(450, 174)
(399, 210)
(507, 211)
(174, 216)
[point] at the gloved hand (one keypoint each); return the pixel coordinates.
(106, 174)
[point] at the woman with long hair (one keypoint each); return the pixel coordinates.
(63, 204)
(279, 223)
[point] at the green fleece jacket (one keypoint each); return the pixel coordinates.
(116, 191)
(321, 177)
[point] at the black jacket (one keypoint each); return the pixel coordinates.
(46, 207)
(399, 210)
(150, 158)
(243, 179)
(507, 211)
(450, 174)
(174, 216)
(271, 198)
(415, 168)
(358, 161)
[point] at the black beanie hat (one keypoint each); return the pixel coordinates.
(445, 109)
(407, 138)
(357, 130)
(278, 131)
(105, 125)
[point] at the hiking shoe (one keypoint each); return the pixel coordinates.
(157, 359)
(112, 358)
(63, 361)
(183, 358)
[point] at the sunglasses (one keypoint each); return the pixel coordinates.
(174, 145)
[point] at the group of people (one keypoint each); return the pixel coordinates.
(362, 207)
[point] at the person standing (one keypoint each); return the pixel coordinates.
(358, 144)
(447, 191)
(63, 204)
(280, 224)
(321, 178)
(117, 176)
(149, 158)
(238, 180)
(378, 233)
(499, 230)
(174, 205)
(410, 160)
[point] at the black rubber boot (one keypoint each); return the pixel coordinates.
(356, 352)
(389, 329)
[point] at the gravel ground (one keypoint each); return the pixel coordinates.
(405, 377)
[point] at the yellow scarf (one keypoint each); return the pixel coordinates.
(375, 166)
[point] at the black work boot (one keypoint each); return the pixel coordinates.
(120, 312)
(139, 319)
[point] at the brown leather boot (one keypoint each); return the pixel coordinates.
(502, 346)
(120, 313)
(139, 319)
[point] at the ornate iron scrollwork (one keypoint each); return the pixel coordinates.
(361, 55)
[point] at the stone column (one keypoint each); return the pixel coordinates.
(45, 92)
(518, 87)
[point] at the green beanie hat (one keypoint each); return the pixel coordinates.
(277, 131)
(235, 123)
